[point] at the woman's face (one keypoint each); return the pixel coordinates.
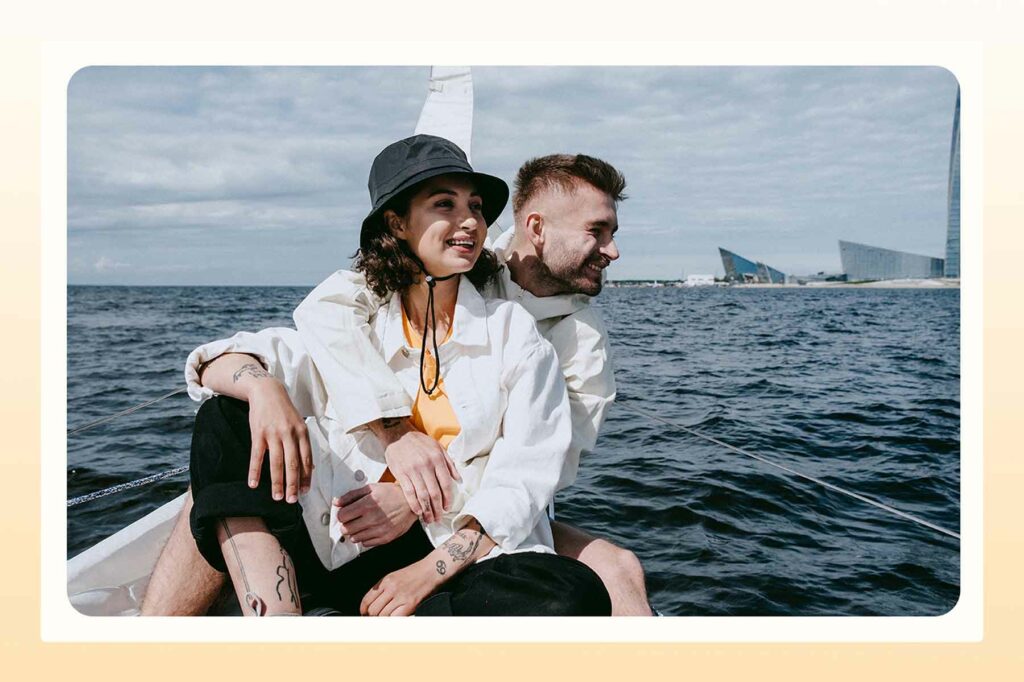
(444, 226)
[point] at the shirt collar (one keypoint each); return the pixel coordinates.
(541, 307)
(469, 328)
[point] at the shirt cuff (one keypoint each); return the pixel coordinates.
(494, 521)
(355, 417)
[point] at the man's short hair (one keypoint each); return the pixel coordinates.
(564, 171)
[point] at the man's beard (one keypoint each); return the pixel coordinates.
(573, 279)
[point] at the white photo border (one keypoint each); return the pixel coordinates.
(60, 622)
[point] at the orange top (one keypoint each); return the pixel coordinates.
(432, 414)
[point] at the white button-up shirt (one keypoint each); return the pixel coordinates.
(334, 318)
(505, 386)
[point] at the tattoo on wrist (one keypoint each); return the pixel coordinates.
(250, 369)
(461, 546)
(441, 568)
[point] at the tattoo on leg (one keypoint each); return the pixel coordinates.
(252, 369)
(252, 600)
(286, 575)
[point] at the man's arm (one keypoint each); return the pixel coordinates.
(524, 465)
(334, 324)
(581, 342)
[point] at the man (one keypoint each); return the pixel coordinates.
(565, 222)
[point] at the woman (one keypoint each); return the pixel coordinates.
(496, 401)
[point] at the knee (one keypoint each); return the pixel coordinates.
(625, 565)
(614, 564)
(218, 410)
(581, 594)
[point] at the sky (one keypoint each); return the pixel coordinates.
(257, 175)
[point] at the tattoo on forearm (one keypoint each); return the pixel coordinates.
(390, 422)
(250, 369)
(252, 600)
(461, 546)
(441, 568)
(286, 575)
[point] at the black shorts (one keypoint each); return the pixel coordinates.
(526, 583)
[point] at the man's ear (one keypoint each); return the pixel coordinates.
(394, 224)
(535, 229)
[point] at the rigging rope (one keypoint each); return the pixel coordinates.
(120, 487)
(124, 413)
(686, 429)
(759, 458)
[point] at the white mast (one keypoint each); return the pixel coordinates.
(448, 111)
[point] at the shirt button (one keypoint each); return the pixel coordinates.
(360, 476)
(405, 352)
(325, 518)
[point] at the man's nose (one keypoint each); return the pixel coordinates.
(610, 250)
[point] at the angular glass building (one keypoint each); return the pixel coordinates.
(863, 262)
(739, 269)
(766, 273)
(952, 268)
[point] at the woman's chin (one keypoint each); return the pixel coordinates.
(451, 266)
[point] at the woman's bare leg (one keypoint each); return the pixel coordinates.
(260, 569)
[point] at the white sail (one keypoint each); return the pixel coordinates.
(448, 111)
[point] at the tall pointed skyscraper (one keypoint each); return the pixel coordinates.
(953, 201)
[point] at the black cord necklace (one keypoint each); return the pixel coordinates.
(430, 319)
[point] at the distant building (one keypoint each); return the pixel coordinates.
(739, 269)
(863, 262)
(817, 277)
(699, 281)
(952, 268)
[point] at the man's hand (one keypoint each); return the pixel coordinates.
(374, 515)
(399, 593)
(420, 466)
(278, 428)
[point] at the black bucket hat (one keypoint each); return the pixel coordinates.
(410, 161)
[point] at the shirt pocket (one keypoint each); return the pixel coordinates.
(357, 459)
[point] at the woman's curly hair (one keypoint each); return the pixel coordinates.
(389, 264)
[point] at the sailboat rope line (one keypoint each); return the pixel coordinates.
(124, 413)
(173, 472)
(764, 460)
(121, 487)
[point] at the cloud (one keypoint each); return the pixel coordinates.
(781, 161)
(104, 264)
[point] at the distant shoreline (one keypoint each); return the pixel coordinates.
(879, 284)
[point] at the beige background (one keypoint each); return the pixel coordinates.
(996, 24)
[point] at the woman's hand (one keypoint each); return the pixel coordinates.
(400, 592)
(278, 429)
(374, 515)
(420, 465)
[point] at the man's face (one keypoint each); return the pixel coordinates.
(579, 231)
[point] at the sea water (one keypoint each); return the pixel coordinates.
(860, 388)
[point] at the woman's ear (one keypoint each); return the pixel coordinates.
(394, 224)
